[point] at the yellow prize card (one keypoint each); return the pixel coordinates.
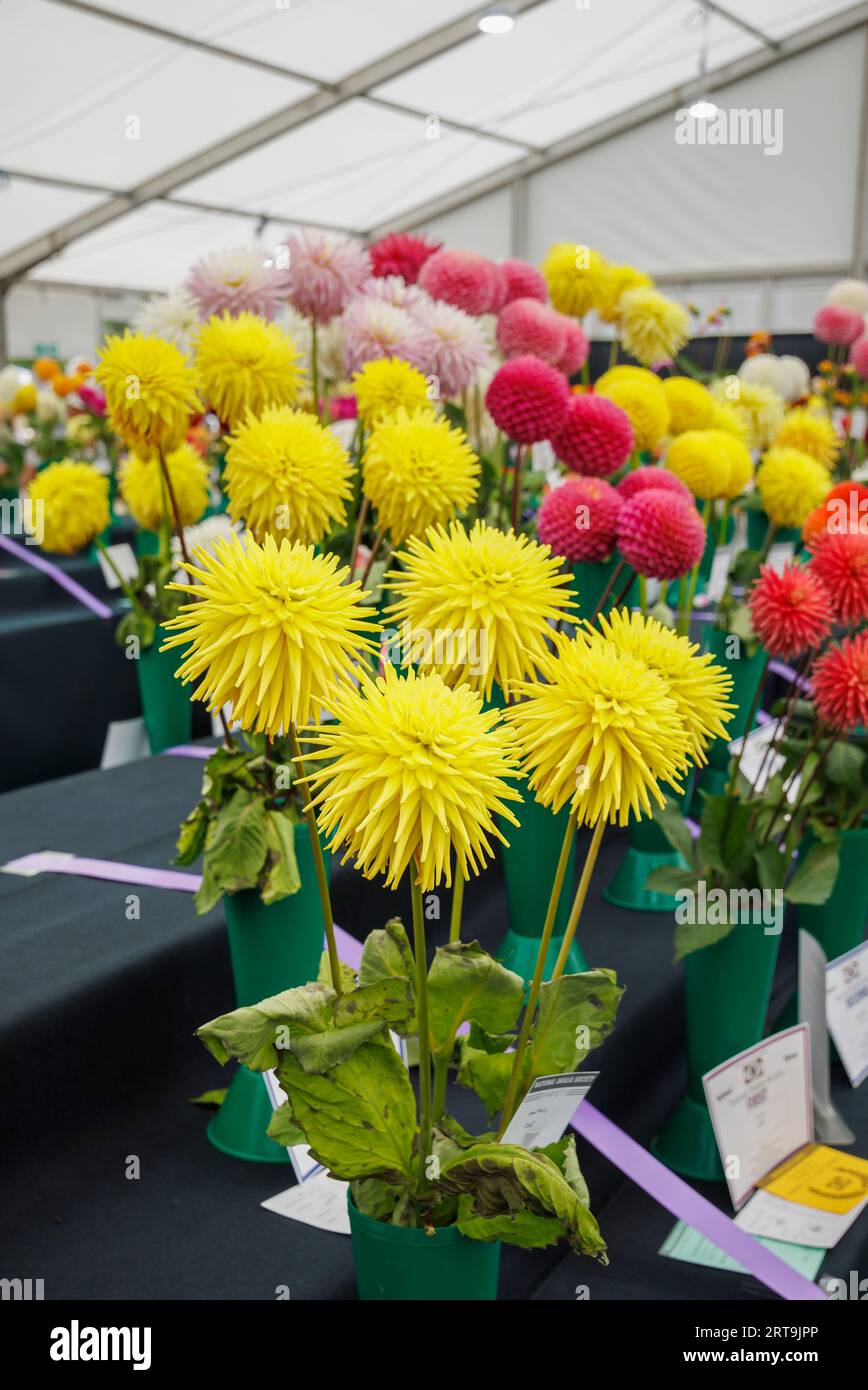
(818, 1176)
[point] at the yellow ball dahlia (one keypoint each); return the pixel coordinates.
(740, 466)
(600, 730)
(702, 460)
(644, 404)
(478, 603)
(730, 419)
(690, 405)
(414, 771)
(386, 385)
(811, 433)
(615, 280)
(761, 408)
(69, 506)
(790, 484)
(418, 471)
(141, 487)
(627, 372)
(244, 364)
(270, 630)
(651, 327)
(287, 475)
(699, 688)
(150, 390)
(574, 276)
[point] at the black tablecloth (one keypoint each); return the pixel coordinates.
(100, 1063)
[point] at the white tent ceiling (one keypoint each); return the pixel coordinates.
(138, 134)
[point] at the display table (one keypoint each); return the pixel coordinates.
(99, 1008)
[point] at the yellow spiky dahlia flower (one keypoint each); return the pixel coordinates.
(600, 730)
(790, 484)
(478, 603)
(69, 506)
(644, 404)
(699, 688)
(287, 475)
(141, 487)
(386, 385)
(415, 771)
(761, 408)
(574, 276)
(651, 327)
(690, 405)
(811, 433)
(418, 471)
(150, 391)
(615, 280)
(270, 630)
(246, 363)
(701, 459)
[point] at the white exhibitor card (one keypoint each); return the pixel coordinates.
(760, 1106)
(776, 1218)
(548, 1108)
(847, 1010)
(303, 1165)
(320, 1202)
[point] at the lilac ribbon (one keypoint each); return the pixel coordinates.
(38, 562)
(189, 750)
(676, 1196)
(780, 668)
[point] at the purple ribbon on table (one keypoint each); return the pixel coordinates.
(60, 577)
(189, 750)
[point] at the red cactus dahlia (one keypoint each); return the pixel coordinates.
(790, 611)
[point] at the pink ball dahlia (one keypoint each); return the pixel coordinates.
(461, 278)
(238, 280)
(527, 399)
(840, 561)
(500, 292)
(373, 328)
(653, 477)
(839, 682)
(859, 355)
(790, 611)
(325, 272)
(833, 324)
(399, 253)
(575, 353)
(595, 437)
(579, 519)
(660, 534)
(527, 328)
(452, 346)
(523, 281)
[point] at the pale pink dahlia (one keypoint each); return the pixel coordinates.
(240, 279)
(526, 327)
(452, 346)
(399, 253)
(859, 355)
(373, 328)
(595, 438)
(527, 399)
(390, 289)
(579, 519)
(523, 281)
(832, 324)
(325, 272)
(660, 535)
(461, 278)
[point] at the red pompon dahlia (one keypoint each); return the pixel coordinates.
(578, 519)
(399, 253)
(575, 354)
(526, 327)
(834, 324)
(839, 683)
(790, 611)
(527, 399)
(660, 534)
(840, 562)
(859, 355)
(595, 438)
(523, 281)
(461, 278)
(640, 479)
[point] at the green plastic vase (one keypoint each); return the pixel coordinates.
(529, 865)
(403, 1264)
(757, 529)
(273, 948)
(591, 581)
(648, 849)
(166, 706)
(726, 988)
(745, 671)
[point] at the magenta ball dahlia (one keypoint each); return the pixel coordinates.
(527, 399)
(461, 278)
(575, 353)
(526, 327)
(859, 355)
(834, 324)
(653, 477)
(399, 253)
(579, 520)
(523, 281)
(595, 438)
(660, 534)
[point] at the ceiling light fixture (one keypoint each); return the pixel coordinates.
(703, 109)
(497, 20)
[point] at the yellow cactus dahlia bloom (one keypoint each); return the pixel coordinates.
(761, 408)
(644, 404)
(702, 460)
(244, 364)
(574, 275)
(287, 475)
(150, 391)
(386, 385)
(418, 471)
(69, 504)
(141, 487)
(271, 628)
(790, 484)
(478, 603)
(651, 327)
(615, 280)
(601, 730)
(812, 433)
(699, 688)
(690, 405)
(415, 771)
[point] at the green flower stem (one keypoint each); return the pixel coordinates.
(375, 550)
(613, 354)
(319, 864)
(357, 536)
(314, 367)
(723, 521)
(457, 904)
(536, 982)
(767, 542)
(609, 587)
(516, 486)
(757, 696)
(179, 530)
(809, 748)
(421, 957)
(441, 1075)
(684, 617)
(579, 899)
(128, 592)
(643, 595)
